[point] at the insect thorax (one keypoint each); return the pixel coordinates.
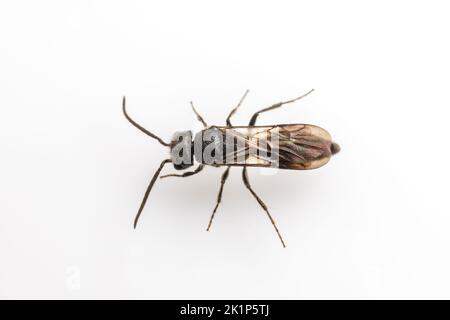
(223, 146)
(235, 146)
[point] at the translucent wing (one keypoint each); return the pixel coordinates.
(292, 146)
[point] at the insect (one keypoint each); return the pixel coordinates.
(283, 146)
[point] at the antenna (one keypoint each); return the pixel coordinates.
(154, 136)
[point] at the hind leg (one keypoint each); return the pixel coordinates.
(275, 106)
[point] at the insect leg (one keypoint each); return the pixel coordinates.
(219, 196)
(275, 106)
(263, 205)
(185, 174)
(199, 117)
(149, 188)
(235, 109)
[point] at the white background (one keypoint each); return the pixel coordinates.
(373, 223)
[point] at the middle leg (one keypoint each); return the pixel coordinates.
(261, 203)
(219, 196)
(235, 109)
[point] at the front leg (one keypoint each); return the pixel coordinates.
(186, 174)
(219, 196)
